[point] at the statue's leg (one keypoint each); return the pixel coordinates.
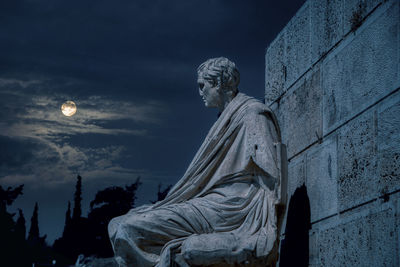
(138, 237)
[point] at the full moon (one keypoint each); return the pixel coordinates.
(68, 108)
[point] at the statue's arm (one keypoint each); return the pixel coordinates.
(261, 139)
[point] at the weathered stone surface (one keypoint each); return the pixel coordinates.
(366, 241)
(300, 114)
(357, 161)
(398, 226)
(322, 179)
(298, 46)
(363, 71)
(313, 249)
(275, 69)
(389, 145)
(359, 158)
(355, 11)
(327, 26)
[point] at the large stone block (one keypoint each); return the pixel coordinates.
(362, 71)
(398, 226)
(298, 45)
(357, 161)
(300, 114)
(355, 11)
(366, 241)
(313, 249)
(389, 144)
(327, 26)
(275, 69)
(321, 177)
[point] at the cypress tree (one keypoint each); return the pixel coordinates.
(11, 249)
(34, 230)
(20, 225)
(67, 220)
(77, 212)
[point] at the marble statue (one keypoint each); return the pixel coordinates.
(224, 209)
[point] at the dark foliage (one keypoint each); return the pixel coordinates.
(17, 251)
(8, 228)
(34, 230)
(162, 194)
(20, 226)
(71, 244)
(8, 196)
(68, 219)
(77, 199)
(108, 203)
(89, 236)
(36, 245)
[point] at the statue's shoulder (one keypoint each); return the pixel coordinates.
(256, 107)
(256, 111)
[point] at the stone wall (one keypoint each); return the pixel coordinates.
(333, 80)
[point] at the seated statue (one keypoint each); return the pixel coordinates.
(223, 210)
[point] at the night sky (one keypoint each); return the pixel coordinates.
(130, 67)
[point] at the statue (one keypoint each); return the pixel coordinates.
(224, 209)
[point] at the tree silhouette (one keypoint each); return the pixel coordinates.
(74, 239)
(8, 228)
(89, 236)
(63, 244)
(161, 194)
(8, 196)
(20, 226)
(38, 251)
(67, 220)
(77, 199)
(77, 230)
(34, 230)
(108, 203)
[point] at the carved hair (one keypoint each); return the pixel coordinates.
(222, 72)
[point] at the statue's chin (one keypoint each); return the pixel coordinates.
(209, 105)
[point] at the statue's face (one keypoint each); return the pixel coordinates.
(211, 94)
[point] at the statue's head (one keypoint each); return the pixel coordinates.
(218, 80)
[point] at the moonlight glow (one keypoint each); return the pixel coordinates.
(68, 108)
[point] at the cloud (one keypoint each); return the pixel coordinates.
(15, 153)
(29, 115)
(47, 164)
(36, 137)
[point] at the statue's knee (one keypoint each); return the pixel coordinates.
(130, 226)
(113, 226)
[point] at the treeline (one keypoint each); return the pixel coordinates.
(81, 235)
(17, 250)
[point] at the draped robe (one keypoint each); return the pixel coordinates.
(226, 198)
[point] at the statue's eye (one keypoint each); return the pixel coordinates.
(201, 86)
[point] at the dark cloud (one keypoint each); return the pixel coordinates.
(126, 44)
(15, 153)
